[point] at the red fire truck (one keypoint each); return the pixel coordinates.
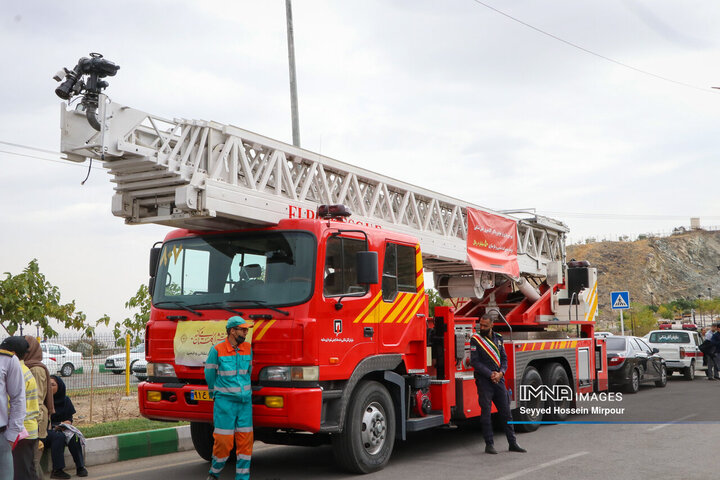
(345, 351)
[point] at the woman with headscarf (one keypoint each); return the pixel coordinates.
(33, 360)
(57, 438)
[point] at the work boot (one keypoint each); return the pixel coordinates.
(59, 474)
(211, 477)
(490, 448)
(82, 472)
(514, 447)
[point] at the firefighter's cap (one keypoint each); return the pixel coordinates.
(238, 321)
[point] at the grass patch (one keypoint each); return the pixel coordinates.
(126, 426)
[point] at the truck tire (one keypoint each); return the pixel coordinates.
(202, 438)
(530, 377)
(368, 437)
(634, 385)
(689, 372)
(555, 374)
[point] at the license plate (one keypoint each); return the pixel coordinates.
(200, 395)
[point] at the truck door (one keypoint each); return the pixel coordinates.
(343, 331)
(402, 294)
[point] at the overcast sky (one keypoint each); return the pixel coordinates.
(448, 95)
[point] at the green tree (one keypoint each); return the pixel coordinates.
(665, 312)
(643, 319)
(434, 300)
(134, 325)
(29, 299)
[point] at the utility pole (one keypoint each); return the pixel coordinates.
(293, 80)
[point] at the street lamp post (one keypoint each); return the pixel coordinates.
(293, 81)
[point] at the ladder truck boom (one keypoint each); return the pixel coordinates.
(205, 175)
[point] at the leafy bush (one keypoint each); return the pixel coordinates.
(87, 346)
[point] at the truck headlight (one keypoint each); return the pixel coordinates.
(161, 370)
(287, 374)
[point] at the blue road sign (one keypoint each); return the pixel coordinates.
(620, 300)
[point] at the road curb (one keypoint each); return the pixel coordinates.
(127, 446)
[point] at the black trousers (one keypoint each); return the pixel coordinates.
(24, 459)
(56, 441)
(488, 393)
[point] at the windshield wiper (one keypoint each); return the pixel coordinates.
(221, 305)
(181, 305)
(260, 304)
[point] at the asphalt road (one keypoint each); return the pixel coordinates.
(656, 449)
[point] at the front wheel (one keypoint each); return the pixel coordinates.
(368, 437)
(202, 438)
(67, 369)
(663, 377)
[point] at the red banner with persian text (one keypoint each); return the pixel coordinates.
(492, 243)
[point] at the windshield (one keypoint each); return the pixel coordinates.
(138, 349)
(260, 268)
(616, 344)
(669, 337)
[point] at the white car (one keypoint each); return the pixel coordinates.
(52, 366)
(139, 369)
(67, 360)
(679, 348)
(116, 363)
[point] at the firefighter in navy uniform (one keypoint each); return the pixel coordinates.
(487, 356)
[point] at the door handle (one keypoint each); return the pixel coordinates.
(368, 332)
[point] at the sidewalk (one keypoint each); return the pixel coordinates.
(127, 446)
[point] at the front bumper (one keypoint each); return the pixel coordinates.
(301, 408)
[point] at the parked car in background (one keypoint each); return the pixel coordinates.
(140, 369)
(632, 362)
(52, 366)
(116, 363)
(67, 360)
(679, 348)
(603, 334)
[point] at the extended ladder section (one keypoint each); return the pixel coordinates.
(208, 176)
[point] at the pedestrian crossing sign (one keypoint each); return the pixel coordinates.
(619, 300)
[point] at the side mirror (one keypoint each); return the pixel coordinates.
(151, 285)
(154, 260)
(655, 350)
(367, 268)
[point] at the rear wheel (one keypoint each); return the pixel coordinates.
(532, 378)
(368, 437)
(67, 369)
(689, 372)
(663, 378)
(634, 384)
(554, 374)
(202, 439)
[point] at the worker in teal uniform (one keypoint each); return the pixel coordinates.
(227, 371)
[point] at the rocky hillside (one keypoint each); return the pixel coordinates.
(683, 265)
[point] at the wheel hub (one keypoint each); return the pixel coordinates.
(374, 428)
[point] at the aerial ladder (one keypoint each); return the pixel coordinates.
(204, 175)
